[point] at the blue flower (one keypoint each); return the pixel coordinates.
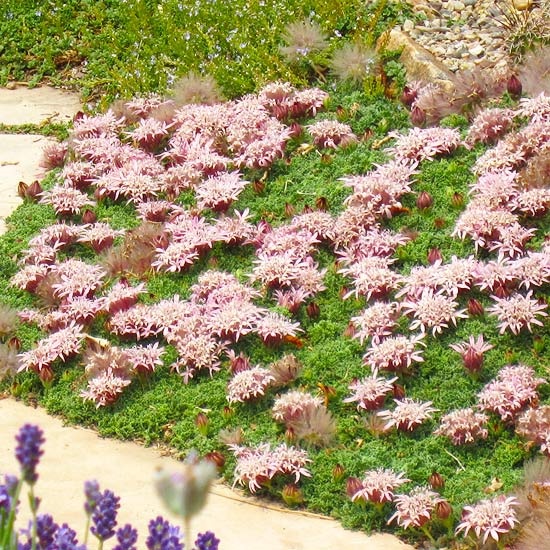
(207, 541)
(127, 537)
(163, 536)
(104, 515)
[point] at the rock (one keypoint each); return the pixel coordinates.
(477, 50)
(469, 2)
(436, 22)
(418, 61)
(408, 25)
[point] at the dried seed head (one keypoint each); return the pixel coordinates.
(321, 203)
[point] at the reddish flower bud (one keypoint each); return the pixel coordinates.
(408, 96)
(292, 495)
(46, 374)
(353, 486)
(79, 115)
(258, 186)
(500, 291)
(436, 481)
(457, 199)
(88, 216)
(290, 210)
(443, 509)
(14, 343)
(473, 360)
(239, 363)
(349, 331)
(326, 158)
(312, 310)
(22, 189)
(424, 200)
(321, 203)
(34, 190)
(307, 209)
(216, 458)
(338, 473)
(341, 113)
(514, 87)
(398, 391)
(418, 116)
(202, 422)
(227, 412)
(290, 435)
(295, 129)
(434, 254)
(440, 223)
(475, 307)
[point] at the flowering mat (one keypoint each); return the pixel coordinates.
(336, 309)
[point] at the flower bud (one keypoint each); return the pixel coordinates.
(443, 509)
(216, 458)
(408, 96)
(295, 130)
(312, 310)
(14, 343)
(434, 255)
(202, 422)
(227, 412)
(418, 116)
(307, 209)
(473, 360)
(89, 216)
(338, 472)
(321, 204)
(22, 189)
(292, 495)
(353, 486)
(424, 200)
(290, 210)
(440, 223)
(398, 391)
(34, 190)
(457, 199)
(290, 435)
(475, 307)
(436, 481)
(258, 186)
(514, 87)
(349, 331)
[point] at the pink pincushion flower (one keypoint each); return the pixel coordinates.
(395, 353)
(235, 229)
(517, 312)
(121, 296)
(495, 275)
(276, 270)
(273, 328)
(532, 202)
(534, 425)
(138, 321)
(66, 201)
(234, 319)
(489, 125)
(533, 269)
(378, 485)
(144, 359)
(249, 384)
(196, 352)
(219, 191)
(257, 465)
(104, 388)
(98, 125)
(514, 388)
(433, 311)
(99, 235)
(424, 143)
(407, 415)
(416, 508)
(463, 426)
(370, 392)
(489, 517)
(148, 133)
(376, 321)
(371, 276)
(293, 405)
(332, 134)
(76, 278)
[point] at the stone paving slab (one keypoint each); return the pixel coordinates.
(74, 455)
(19, 161)
(35, 105)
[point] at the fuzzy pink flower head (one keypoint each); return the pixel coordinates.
(534, 425)
(219, 191)
(433, 311)
(76, 278)
(424, 143)
(249, 384)
(105, 388)
(331, 134)
(378, 485)
(370, 392)
(463, 426)
(415, 509)
(489, 518)
(395, 353)
(489, 125)
(273, 328)
(293, 405)
(376, 321)
(66, 201)
(407, 415)
(514, 388)
(144, 359)
(517, 312)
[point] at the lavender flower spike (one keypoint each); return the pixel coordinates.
(127, 537)
(104, 515)
(163, 536)
(207, 541)
(28, 451)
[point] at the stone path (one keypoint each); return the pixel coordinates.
(73, 455)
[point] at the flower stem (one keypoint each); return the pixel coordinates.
(426, 531)
(8, 534)
(187, 527)
(33, 506)
(87, 530)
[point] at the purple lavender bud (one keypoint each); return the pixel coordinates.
(28, 451)
(65, 539)
(163, 536)
(127, 537)
(104, 515)
(92, 494)
(207, 541)
(45, 530)
(7, 494)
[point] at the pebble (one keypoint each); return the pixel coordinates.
(460, 33)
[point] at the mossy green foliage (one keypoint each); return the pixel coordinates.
(128, 48)
(161, 409)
